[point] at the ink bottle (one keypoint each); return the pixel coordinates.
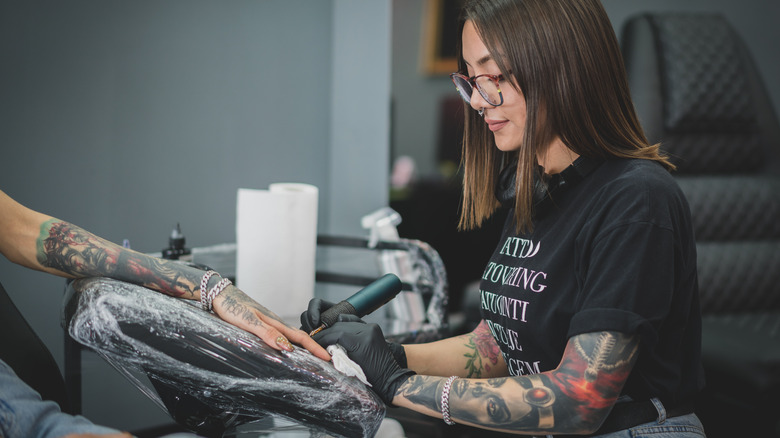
(177, 249)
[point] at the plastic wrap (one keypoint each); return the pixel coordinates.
(210, 376)
(428, 278)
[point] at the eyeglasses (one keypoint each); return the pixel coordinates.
(487, 85)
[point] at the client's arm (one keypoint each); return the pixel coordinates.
(51, 245)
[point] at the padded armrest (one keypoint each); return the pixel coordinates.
(210, 375)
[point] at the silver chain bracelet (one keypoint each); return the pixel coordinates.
(216, 290)
(207, 298)
(445, 400)
(204, 283)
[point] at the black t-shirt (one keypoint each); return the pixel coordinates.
(613, 252)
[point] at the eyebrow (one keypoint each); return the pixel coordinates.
(481, 61)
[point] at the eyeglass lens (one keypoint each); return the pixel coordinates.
(485, 85)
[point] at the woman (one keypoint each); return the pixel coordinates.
(591, 321)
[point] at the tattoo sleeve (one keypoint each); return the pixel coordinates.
(78, 253)
(574, 398)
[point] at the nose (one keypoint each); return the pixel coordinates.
(477, 101)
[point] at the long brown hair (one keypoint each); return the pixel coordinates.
(564, 57)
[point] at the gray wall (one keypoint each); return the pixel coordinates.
(416, 96)
(128, 116)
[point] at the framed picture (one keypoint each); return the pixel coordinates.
(440, 36)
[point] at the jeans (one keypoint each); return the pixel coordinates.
(684, 426)
(24, 415)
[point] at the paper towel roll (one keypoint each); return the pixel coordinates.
(276, 242)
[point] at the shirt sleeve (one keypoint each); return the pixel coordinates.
(627, 280)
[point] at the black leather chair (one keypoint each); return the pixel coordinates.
(697, 91)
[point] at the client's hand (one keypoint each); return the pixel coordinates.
(235, 307)
(365, 344)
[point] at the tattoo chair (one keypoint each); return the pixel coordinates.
(217, 380)
(697, 91)
(210, 376)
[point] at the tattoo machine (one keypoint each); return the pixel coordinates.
(366, 300)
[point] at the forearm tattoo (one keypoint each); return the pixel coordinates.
(79, 253)
(570, 399)
(484, 354)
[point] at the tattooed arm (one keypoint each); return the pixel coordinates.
(575, 398)
(474, 354)
(47, 244)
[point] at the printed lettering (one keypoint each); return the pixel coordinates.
(521, 368)
(504, 306)
(527, 279)
(505, 336)
(515, 276)
(519, 248)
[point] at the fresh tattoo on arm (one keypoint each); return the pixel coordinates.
(484, 352)
(573, 398)
(79, 253)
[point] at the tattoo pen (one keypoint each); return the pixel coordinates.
(363, 302)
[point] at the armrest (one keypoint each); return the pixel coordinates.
(209, 375)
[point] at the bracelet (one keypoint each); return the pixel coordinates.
(445, 401)
(204, 283)
(216, 290)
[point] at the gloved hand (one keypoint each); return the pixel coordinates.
(366, 345)
(310, 319)
(398, 353)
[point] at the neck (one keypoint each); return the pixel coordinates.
(556, 157)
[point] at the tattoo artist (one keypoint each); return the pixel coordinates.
(591, 322)
(47, 244)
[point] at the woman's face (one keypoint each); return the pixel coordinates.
(507, 122)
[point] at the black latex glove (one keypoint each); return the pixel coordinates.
(398, 353)
(310, 319)
(365, 344)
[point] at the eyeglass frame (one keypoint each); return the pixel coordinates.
(472, 81)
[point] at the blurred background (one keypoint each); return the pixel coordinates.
(127, 117)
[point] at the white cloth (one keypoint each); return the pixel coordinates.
(344, 364)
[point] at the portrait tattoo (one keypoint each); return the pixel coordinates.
(423, 391)
(79, 253)
(570, 399)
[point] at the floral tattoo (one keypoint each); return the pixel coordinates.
(484, 352)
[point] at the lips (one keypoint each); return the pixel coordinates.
(495, 125)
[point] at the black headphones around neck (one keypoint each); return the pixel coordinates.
(545, 186)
